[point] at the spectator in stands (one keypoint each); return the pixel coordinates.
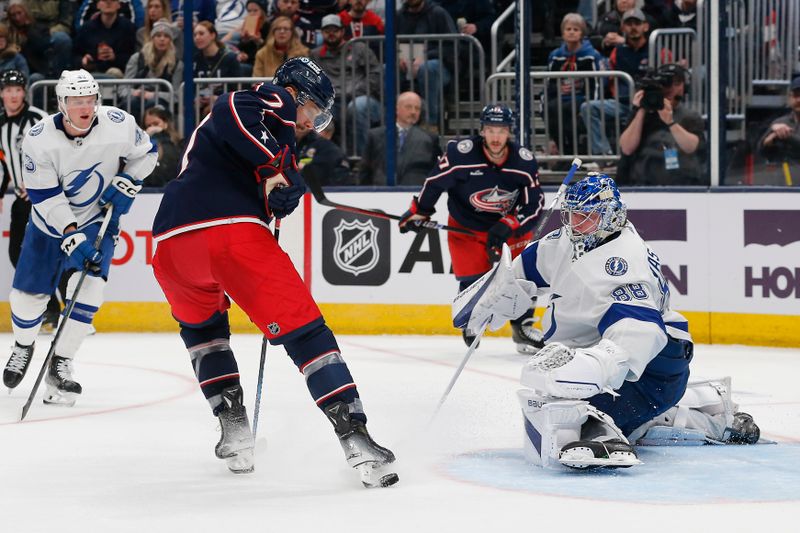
(154, 11)
(10, 56)
(630, 57)
(316, 152)
(417, 149)
(250, 36)
(610, 32)
(47, 49)
(565, 95)
(158, 60)
(211, 60)
(683, 14)
(230, 15)
(314, 11)
(781, 142)
(104, 44)
(357, 80)
(664, 143)
(305, 29)
(430, 73)
(281, 44)
(158, 125)
(473, 17)
(132, 10)
(361, 22)
(55, 14)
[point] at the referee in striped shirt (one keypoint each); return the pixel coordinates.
(17, 118)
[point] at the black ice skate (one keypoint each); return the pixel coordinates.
(743, 430)
(585, 454)
(236, 442)
(528, 338)
(17, 365)
(362, 453)
(61, 388)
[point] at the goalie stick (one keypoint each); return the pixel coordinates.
(100, 234)
(319, 195)
(576, 164)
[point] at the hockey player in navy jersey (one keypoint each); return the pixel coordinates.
(492, 187)
(73, 163)
(616, 365)
(239, 172)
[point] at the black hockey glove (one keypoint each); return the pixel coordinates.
(283, 200)
(414, 218)
(498, 235)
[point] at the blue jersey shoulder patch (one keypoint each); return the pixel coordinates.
(616, 266)
(36, 129)
(116, 115)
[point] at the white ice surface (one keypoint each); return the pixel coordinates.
(136, 452)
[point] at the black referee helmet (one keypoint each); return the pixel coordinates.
(12, 77)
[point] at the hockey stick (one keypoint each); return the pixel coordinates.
(469, 353)
(100, 234)
(576, 164)
(263, 360)
(319, 195)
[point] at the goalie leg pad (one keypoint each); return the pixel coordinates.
(550, 424)
(564, 373)
(706, 411)
(26, 315)
(79, 323)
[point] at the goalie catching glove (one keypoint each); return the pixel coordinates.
(498, 296)
(280, 185)
(80, 252)
(121, 193)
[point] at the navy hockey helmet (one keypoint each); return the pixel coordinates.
(311, 83)
(595, 193)
(497, 115)
(12, 77)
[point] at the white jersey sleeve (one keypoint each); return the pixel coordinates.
(50, 205)
(142, 156)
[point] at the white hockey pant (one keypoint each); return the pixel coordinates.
(551, 423)
(704, 411)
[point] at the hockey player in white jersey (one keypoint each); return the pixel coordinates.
(617, 357)
(75, 163)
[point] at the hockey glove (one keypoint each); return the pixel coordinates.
(414, 218)
(280, 184)
(80, 252)
(121, 193)
(498, 236)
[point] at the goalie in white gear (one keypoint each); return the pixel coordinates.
(75, 163)
(617, 357)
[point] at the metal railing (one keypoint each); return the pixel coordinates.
(461, 55)
(206, 91)
(115, 92)
(567, 127)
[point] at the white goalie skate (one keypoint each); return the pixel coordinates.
(373, 462)
(236, 443)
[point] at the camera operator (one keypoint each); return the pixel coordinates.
(664, 142)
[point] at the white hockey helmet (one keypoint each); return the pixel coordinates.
(75, 83)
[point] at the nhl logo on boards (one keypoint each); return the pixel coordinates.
(616, 266)
(355, 249)
(273, 328)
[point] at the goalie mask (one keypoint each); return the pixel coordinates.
(75, 83)
(592, 210)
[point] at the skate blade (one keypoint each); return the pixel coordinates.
(374, 475)
(242, 462)
(62, 399)
(526, 349)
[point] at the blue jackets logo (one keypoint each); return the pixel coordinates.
(494, 200)
(355, 249)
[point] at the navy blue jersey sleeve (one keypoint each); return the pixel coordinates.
(443, 176)
(530, 201)
(255, 126)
